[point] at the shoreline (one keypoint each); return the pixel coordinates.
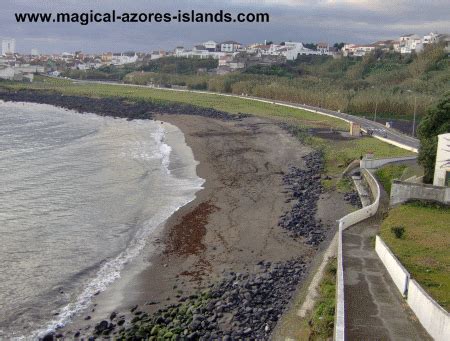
(218, 244)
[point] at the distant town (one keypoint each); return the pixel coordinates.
(231, 55)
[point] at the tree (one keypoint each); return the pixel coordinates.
(434, 123)
(338, 45)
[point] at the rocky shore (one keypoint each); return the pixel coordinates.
(116, 107)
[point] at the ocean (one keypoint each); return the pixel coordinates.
(80, 195)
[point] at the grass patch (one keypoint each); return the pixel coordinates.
(388, 173)
(424, 245)
(322, 317)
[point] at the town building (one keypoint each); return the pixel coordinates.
(8, 46)
(211, 45)
(230, 46)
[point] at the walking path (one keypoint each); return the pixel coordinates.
(374, 308)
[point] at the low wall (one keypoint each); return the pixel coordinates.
(402, 191)
(345, 222)
(377, 163)
(430, 314)
(396, 270)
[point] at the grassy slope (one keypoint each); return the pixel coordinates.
(388, 173)
(337, 153)
(424, 248)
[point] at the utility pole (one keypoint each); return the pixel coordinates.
(414, 117)
(375, 115)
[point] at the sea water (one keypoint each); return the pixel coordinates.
(80, 194)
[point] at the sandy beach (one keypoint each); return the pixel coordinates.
(232, 225)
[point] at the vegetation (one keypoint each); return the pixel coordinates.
(322, 318)
(388, 173)
(385, 82)
(423, 245)
(435, 122)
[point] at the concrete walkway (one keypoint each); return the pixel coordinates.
(374, 308)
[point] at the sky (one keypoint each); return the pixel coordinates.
(356, 21)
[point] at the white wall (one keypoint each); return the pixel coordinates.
(432, 316)
(442, 165)
(377, 163)
(396, 270)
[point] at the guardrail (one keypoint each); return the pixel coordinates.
(345, 222)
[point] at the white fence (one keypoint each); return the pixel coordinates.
(430, 314)
(345, 222)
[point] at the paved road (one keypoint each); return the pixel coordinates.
(380, 131)
(375, 310)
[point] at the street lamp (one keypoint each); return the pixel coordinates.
(376, 107)
(414, 117)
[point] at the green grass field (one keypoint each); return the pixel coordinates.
(338, 154)
(388, 173)
(424, 247)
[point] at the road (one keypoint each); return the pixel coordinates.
(379, 131)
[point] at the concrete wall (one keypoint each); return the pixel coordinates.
(396, 270)
(430, 314)
(377, 163)
(442, 165)
(402, 191)
(345, 222)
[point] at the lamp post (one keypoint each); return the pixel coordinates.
(415, 112)
(376, 107)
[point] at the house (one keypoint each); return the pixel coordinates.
(6, 72)
(210, 45)
(409, 43)
(442, 166)
(323, 48)
(230, 46)
(124, 58)
(354, 50)
(430, 38)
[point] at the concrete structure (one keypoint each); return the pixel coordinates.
(345, 222)
(396, 270)
(371, 163)
(430, 314)
(442, 166)
(8, 46)
(355, 129)
(402, 191)
(6, 72)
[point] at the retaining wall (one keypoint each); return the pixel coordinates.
(396, 270)
(402, 191)
(430, 314)
(345, 222)
(377, 163)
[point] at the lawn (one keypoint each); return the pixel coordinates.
(424, 247)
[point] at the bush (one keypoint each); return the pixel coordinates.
(398, 231)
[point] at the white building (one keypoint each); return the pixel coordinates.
(409, 43)
(230, 46)
(35, 52)
(6, 72)
(124, 58)
(430, 38)
(354, 50)
(8, 46)
(442, 166)
(210, 45)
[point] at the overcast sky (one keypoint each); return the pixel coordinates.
(359, 21)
